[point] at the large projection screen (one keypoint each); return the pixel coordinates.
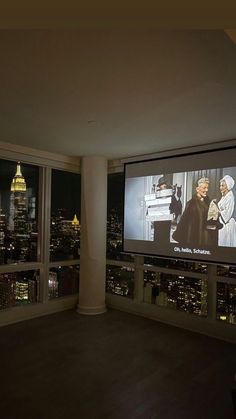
(182, 207)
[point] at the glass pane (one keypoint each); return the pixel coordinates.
(18, 212)
(63, 280)
(19, 288)
(226, 302)
(175, 291)
(65, 216)
(176, 264)
(115, 198)
(120, 280)
(226, 271)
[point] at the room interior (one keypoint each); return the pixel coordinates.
(85, 101)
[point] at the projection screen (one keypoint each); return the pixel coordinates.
(182, 206)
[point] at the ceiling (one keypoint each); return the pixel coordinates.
(114, 92)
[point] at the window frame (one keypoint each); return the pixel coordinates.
(46, 162)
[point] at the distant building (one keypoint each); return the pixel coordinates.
(65, 236)
(18, 203)
(7, 290)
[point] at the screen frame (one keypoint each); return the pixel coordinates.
(175, 154)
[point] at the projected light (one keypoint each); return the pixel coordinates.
(182, 206)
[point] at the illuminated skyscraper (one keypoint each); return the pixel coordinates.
(75, 222)
(7, 290)
(18, 219)
(3, 227)
(52, 285)
(18, 203)
(65, 236)
(22, 290)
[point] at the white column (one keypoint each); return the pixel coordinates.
(93, 235)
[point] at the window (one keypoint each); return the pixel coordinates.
(226, 302)
(120, 280)
(181, 265)
(17, 288)
(65, 216)
(176, 291)
(63, 280)
(119, 275)
(18, 212)
(115, 218)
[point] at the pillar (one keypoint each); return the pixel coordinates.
(93, 235)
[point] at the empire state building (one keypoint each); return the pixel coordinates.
(18, 204)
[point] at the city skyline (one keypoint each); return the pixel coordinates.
(18, 213)
(65, 215)
(7, 173)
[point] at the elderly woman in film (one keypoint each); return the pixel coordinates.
(227, 235)
(223, 213)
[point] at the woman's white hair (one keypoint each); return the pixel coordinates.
(202, 180)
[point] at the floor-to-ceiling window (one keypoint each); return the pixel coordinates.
(120, 266)
(19, 233)
(65, 234)
(39, 232)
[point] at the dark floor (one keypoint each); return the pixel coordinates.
(114, 365)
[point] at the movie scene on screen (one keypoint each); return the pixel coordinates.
(190, 214)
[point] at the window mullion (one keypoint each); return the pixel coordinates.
(212, 292)
(45, 232)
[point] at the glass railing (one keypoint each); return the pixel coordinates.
(226, 302)
(19, 288)
(176, 291)
(120, 280)
(63, 281)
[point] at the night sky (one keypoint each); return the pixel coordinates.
(66, 193)
(66, 188)
(115, 191)
(8, 171)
